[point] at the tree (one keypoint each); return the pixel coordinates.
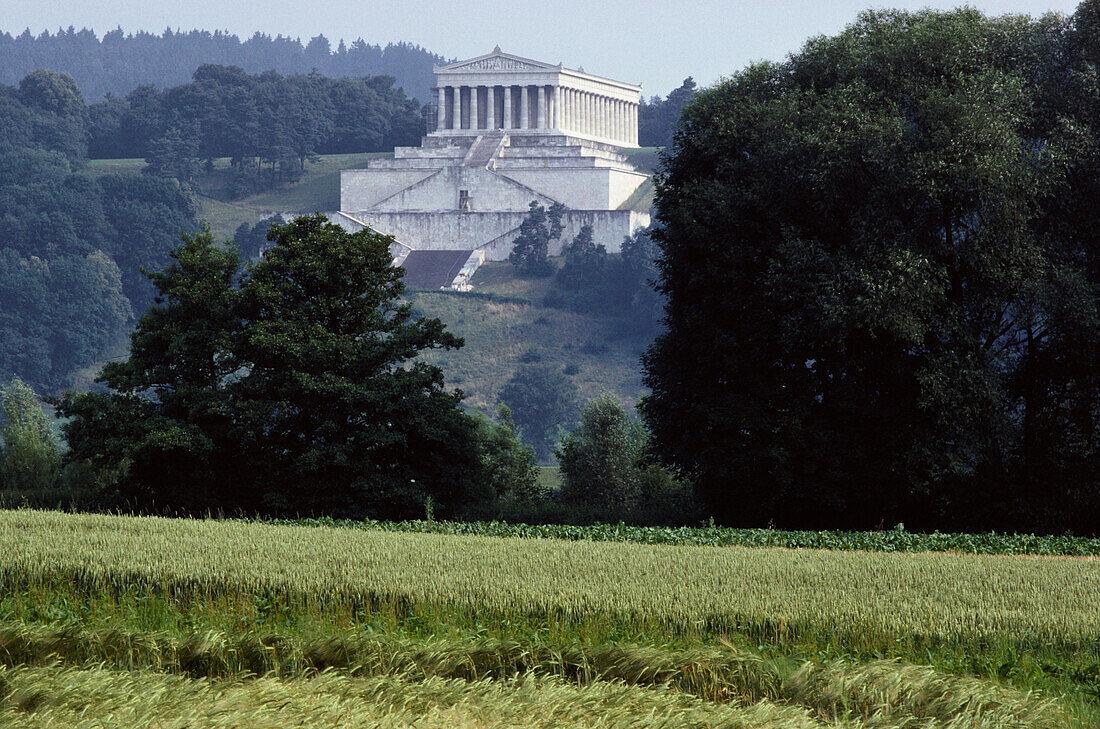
(543, 401)
(657, 118)
(584, 263)
(175, 154)
(598, 459)
(605, 467)
(30, 457)
(288, 387)
(530, 252)
(874, 257)
(168, 419)
(509, 465)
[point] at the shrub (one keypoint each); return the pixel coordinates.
(508, 464)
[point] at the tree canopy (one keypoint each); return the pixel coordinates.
(883, 298)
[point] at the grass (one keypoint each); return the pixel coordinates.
(501, 335)
(645, 159)
(641, 199)
(684, 590)
(697, 635)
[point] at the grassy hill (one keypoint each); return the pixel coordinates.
(500, 334)
(503, 332)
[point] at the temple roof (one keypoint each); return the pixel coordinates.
(498, 60)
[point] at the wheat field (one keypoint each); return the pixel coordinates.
(138, 621)
(947, 596)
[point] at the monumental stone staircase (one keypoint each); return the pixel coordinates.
(484, 149)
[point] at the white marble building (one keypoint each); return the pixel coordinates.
(507, 130)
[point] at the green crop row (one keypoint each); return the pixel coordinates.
(893, 540)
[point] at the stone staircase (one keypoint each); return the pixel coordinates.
(484, 149)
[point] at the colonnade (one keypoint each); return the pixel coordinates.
(537, 107)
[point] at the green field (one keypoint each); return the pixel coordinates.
(485, 631)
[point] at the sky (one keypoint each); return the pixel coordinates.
(657, 43)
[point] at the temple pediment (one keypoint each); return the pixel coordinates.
(498, 61)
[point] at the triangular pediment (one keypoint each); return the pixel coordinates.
(499, 61)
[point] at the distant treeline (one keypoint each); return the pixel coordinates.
(118, 62)
(256, 120)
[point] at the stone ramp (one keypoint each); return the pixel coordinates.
(484, 149)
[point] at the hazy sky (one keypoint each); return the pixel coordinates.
(655, 42)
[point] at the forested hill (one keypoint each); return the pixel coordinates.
(118, 62)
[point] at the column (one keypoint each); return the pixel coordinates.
(540, 113)
(441, 108)
(634, 123)
(524, 115)
(590, 106)
(620, 125)
(507, 107)
(552, 108)
(473, 108)
(491, 102)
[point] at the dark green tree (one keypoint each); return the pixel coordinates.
(878, 261)
(175, 153)
(342, 416)
(168, 421)
(531, 250)
(606, 468)
(543, 401)
(657, 118)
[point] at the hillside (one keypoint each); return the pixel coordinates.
(317, 190)
(503, 332)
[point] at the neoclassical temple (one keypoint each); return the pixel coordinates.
(507, 131)
(499, 91)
